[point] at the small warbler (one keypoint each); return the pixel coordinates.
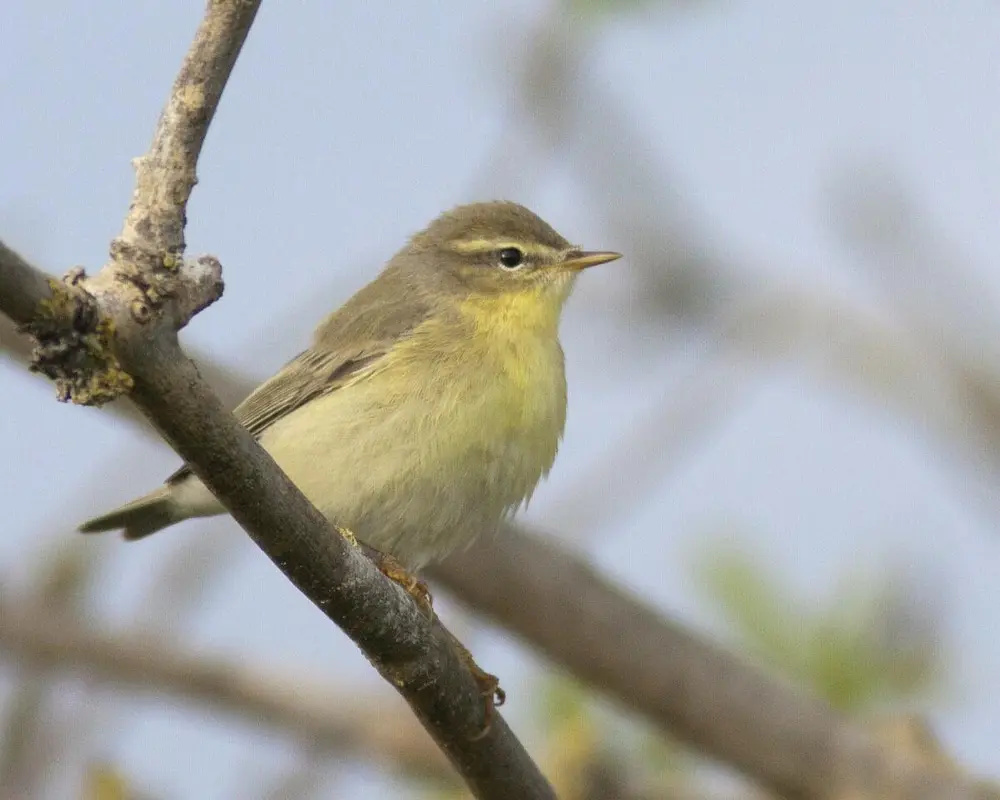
(430, 405)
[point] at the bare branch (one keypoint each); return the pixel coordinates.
(24, 286)
(412, 652)
(229, 384)
(166, 175)
(117, 331)
(307, 707)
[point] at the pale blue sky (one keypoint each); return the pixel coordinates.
(347, 126)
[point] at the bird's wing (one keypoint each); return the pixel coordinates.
(309, 375)
(347, 344)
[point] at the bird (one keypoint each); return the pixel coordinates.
(430, 405)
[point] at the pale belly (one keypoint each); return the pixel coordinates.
(423, 474)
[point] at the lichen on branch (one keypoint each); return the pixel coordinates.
(73, 345)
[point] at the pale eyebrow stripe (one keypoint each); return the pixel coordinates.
(486, 245)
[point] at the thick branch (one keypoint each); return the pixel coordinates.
(306, 707)
(24, 287)
(134, 307)
(413, 653)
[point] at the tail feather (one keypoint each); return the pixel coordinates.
(139, 518)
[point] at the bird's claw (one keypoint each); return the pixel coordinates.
(493, 696)
(489, 688)
(488, 684)
(414, 587)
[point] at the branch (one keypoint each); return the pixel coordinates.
(229, 384)
(308, 708)
(24, 286)
(700, 693)
(117, 331)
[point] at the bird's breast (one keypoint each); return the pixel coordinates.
(449, 432)
(498, 390)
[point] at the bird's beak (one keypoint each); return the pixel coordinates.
(582, 259)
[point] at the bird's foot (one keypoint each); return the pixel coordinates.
(414, 587)
(489, 687)
(489, 684)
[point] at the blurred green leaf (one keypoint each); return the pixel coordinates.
(870, 642)
(563, 700)
(590, 747)
(104, 782)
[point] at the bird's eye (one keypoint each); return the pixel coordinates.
(510, 258)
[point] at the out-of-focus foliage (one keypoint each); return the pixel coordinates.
(867, 644)
(103, 782)
(592, 751)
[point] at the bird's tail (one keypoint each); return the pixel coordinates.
(141, 517)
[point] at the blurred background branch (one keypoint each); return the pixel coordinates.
(347, 725)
